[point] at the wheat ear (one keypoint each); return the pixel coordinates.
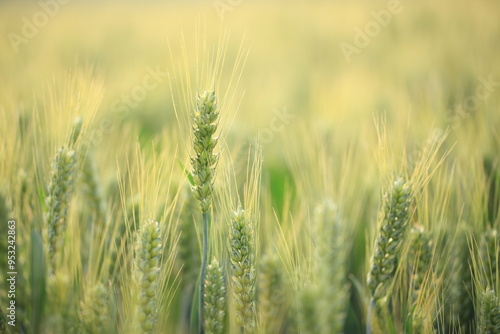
(272, 299)
(94, 311)
(490, 313)
(59, 195)
(419, 256)
(332, 267)
(147, 268)
(395, 217)
(204, 161)
(489, 247)
(60, 189)
(396, 214)
(92, 189)
(205, 117)
(214, 308)
(242, 257)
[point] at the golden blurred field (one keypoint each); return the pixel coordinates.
(420, 99)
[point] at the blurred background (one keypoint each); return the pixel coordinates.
(333, 63)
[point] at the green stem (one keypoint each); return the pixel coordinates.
(204, 256)
(369, 317)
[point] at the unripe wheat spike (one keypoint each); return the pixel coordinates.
(214, 309)
(59, 195)
(94, 310)
(147, 263)
(204, 161)
(396, 213)
(242, 257)
(490, 313)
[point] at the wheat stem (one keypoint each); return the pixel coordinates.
(204, 255)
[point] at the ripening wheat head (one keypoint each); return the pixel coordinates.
(419, 255)
(489, 320)
(147, 269)
(205, 117)
(94, 312)
(214, 308)
(60, 189)
(488, 249)
(331, 267)
(396, 214)
(242, 257)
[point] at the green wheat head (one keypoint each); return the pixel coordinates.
(331, 267)
(242, 257)
(419, 256)
(307, 310)
(489, 247)
(490, 313)
(92, 189)
(214, 308)
(147, 268)
(60, 189)
(461, 289)
(204, 161)
(59, 195)
(272, 302)
(94, 312)
(396, 214)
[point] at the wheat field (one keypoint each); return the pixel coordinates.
(249, 166)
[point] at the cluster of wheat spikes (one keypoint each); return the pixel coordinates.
(322, 236)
